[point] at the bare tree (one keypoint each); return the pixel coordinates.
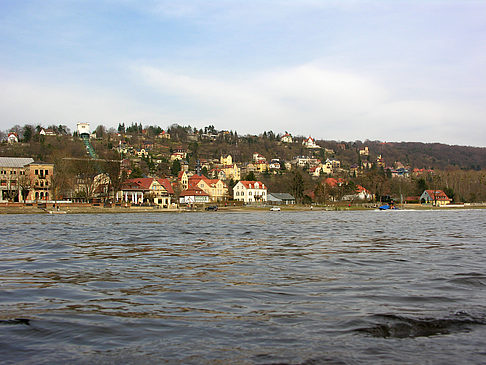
(85, 171)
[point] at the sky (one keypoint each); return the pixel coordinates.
(341, 70)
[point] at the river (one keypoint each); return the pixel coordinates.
(316, 287)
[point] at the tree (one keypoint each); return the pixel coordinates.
(176, 167)
(113, 169)
(86, 171)
(250, 176)
(297, 186)
(62, 181)
(28, 132)
(24, 184)
(100, 131)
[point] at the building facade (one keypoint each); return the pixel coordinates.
(250, 191)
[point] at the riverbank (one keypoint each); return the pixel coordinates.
(93, 209)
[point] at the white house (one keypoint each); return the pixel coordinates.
(83, 129)
(250, 191)
(12, 138)
(310, 143)
(286, 138)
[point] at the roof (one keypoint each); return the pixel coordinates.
(144, 183)
(251, 184)
(167, 185)
(437, 194)
(281, 196)
(15, 161)
(194, 191)
(195, 179)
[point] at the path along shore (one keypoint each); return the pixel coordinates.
(92, 209)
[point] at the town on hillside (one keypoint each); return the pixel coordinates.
(189, 167)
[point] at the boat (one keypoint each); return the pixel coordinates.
(388, 207)
(275, 209)
(56, 211)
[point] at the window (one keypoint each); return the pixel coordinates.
(36, 172)
(249, 193)
(47, 172)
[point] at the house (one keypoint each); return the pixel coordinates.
(13, 138)
(286, 138)
(310, 143)
(366, 165)
(364, 152)
(302, 161)
(435, 197)
(183, 180)
(142, 153)
(215, 188)
(178, 156)
(22, 179)
(250, 191)
(193, 195)
(47, 132)
(275, 164)
(163, 135)
(257, 158)
(380, 162)
(322, 168)
(40, 177)
(361, 194)
(226, 160)
(83, 129)
(146, 190)
(280, 198)
(217, 174)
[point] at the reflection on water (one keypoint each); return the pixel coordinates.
(260, 287)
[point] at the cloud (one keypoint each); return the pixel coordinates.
(310, 99)
(36, 101)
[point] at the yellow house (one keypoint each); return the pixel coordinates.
(228, 160)
(261, 166)
(215, 188)
(232, 171)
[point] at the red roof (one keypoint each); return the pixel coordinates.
(144, 184)
(251, 184)
(332, 182)
(359, 189)
(194, 191)
(438, 195)
(167, 185)
(194, 180)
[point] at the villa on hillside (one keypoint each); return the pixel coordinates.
(310, 143)
(12, 138)
(286, 138)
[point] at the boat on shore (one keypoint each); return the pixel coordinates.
(275, 209)
(388, 207)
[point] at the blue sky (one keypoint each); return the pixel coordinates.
(338, 69)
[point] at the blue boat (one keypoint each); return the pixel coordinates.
(387, 207)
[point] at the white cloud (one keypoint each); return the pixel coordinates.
(306, 100)
(27, 101)
(313, 100)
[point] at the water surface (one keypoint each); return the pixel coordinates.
(252, 288)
